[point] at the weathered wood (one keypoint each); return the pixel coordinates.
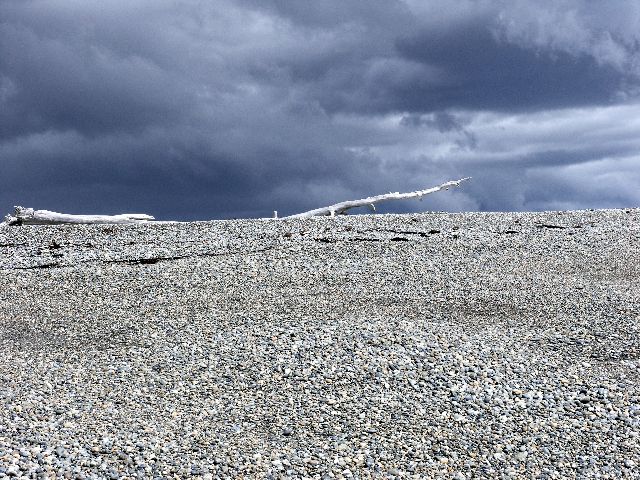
(29, 216)
(342, 207)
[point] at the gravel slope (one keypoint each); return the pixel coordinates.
(479, 345)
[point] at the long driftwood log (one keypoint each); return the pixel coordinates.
(342, 207)
(29, 216)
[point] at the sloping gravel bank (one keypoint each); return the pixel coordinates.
(407, 346)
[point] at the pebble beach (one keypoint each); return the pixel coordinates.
(436, 345)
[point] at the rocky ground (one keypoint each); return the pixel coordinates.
(395, 346)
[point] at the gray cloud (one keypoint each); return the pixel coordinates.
(605, 32)
(443, 122)
(237, 108)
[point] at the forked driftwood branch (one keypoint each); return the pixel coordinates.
(342, 207)
(29, 216)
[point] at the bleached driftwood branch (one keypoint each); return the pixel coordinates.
(342, 207)
(29, 216)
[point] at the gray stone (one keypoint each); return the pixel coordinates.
(172, 350)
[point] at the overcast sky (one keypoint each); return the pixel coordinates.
(235, 108)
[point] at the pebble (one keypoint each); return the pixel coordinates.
(12, 471)
(347, 353)
(521, 456)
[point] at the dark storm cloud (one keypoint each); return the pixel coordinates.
(484, 72)
(237, 108)
(443, 122)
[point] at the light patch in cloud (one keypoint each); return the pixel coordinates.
(608, 32)
(602, 183)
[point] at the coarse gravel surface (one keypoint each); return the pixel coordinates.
(475, 345)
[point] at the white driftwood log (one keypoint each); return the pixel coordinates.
(342, 207)
(29, 216)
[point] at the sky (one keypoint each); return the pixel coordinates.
(196, 110)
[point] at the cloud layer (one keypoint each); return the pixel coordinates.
(221, 109)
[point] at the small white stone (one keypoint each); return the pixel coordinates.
(521, 456)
